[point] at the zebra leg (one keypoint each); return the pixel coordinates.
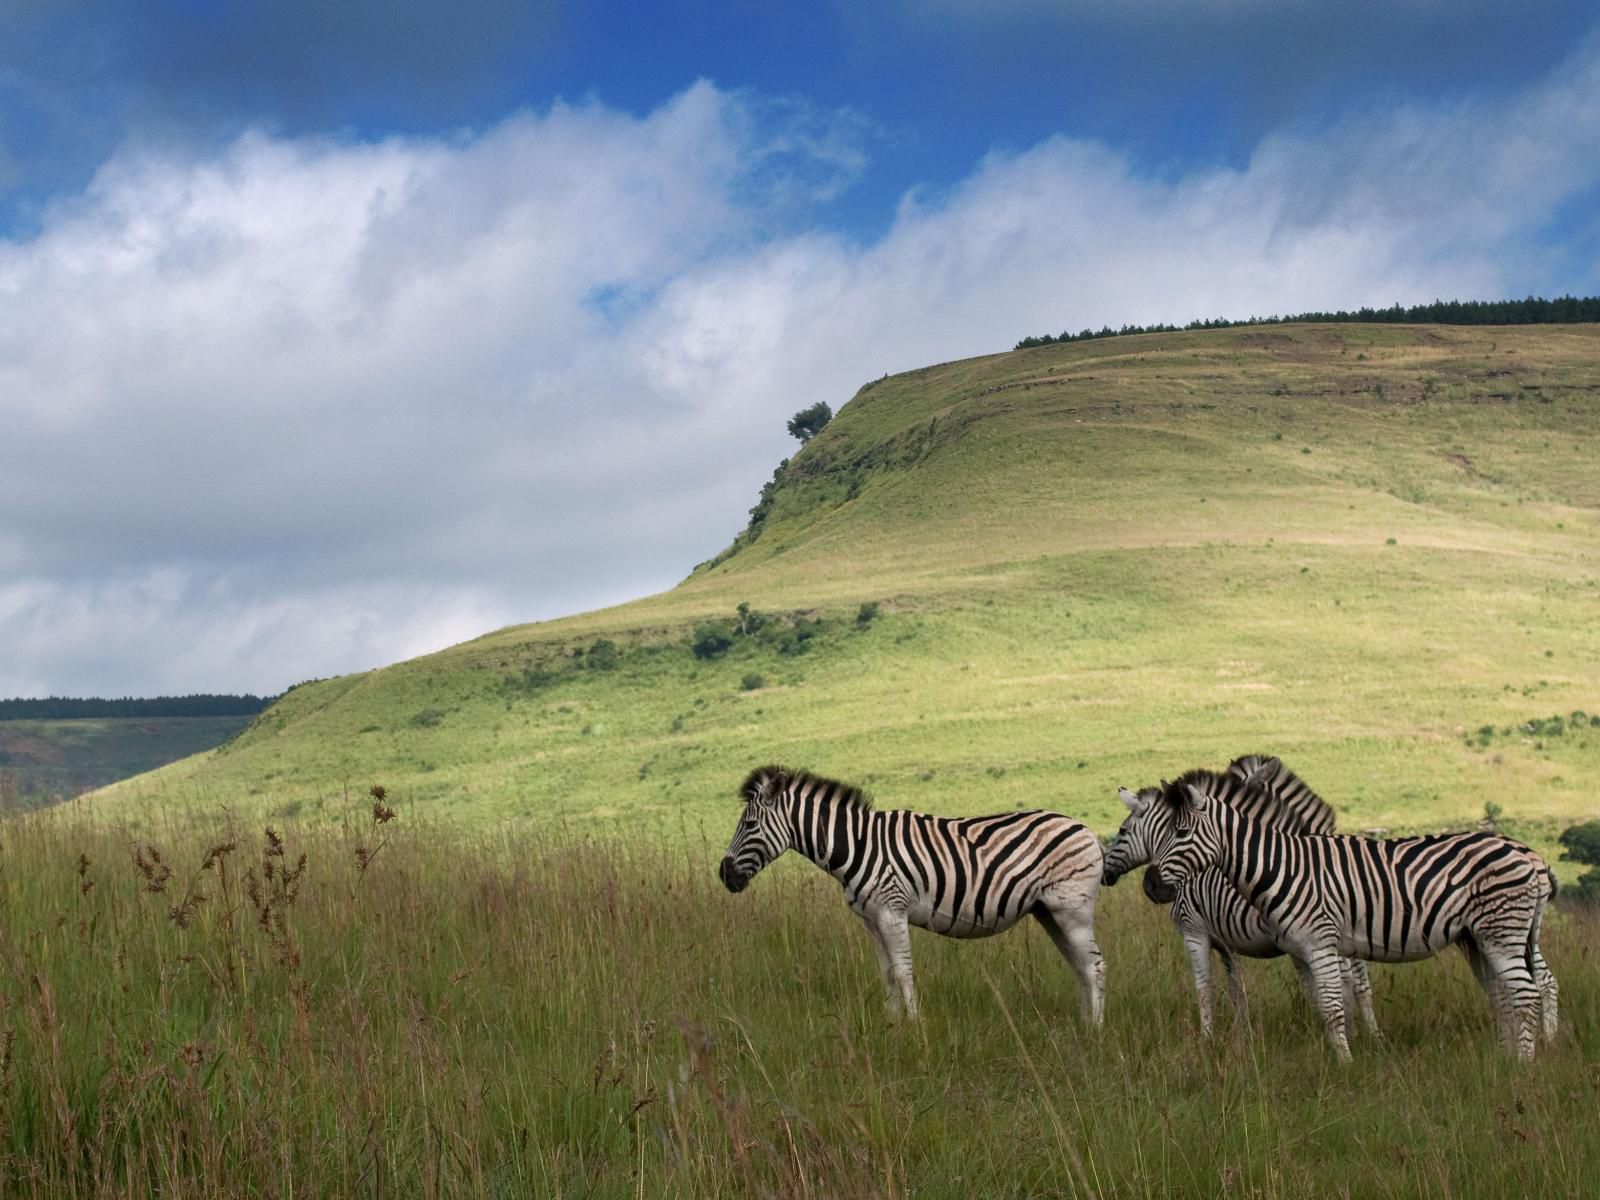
(885, 963)
(1519, 995)
(1325, 975)
(1491, 987)
(1073, 935)
(1198, 947)
(1235, 988)
(1543, 978)
(1361, 985)
(896, 934)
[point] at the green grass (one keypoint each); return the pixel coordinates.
(515, 1012)
(1370, 550)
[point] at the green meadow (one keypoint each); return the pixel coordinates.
(414, 1011)
(1020, 580)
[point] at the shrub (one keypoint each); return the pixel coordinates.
(602, 655)
(752, 681)
(712, 639)
(1581, 844)
(867, 613)
(750, 621)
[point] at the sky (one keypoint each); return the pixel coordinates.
(334, 334)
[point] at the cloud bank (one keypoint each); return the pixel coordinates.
(310, 405)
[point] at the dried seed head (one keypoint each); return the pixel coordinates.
(217, 853)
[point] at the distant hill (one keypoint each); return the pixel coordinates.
(1035, 576)
(46, 760)
(61, 746)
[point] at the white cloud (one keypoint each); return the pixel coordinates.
(313, 405)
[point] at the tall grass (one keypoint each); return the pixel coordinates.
(388, 1009)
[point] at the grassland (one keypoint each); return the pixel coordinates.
(1371, 550)
(1353, 546)
(518, 1013)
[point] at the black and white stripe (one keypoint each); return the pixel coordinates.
(962, 877)
(1210, 913)
(1326, 898)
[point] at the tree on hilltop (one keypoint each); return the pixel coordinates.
(808, 422)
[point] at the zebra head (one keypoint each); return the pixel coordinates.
(763, 832)
(1144, 833)
(1196, 841)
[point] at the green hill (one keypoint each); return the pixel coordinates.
(1374, 550)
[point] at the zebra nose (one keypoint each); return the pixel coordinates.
(1157, 888)
(1109, 878)
(729, 874)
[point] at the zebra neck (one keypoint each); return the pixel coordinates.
(1248, 847)
(827, 830)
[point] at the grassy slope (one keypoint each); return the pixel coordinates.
(1098, 563)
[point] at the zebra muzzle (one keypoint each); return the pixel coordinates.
(729, 874)
(1157, 888)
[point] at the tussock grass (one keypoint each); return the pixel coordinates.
(410, 1010)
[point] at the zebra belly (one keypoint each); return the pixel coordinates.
(965, 925)
(961, 927)
(1376, 950)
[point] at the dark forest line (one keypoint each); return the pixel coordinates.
(1565, 310)
(200, 704)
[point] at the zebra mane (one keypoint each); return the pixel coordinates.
(1176, 793)
(844, 792)
(1262, 787)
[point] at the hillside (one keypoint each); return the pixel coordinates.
(1374, 550)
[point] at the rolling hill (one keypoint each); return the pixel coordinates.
(1374, 550)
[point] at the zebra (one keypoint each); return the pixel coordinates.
(1327, 897)
(959, 876)
(1210, 912)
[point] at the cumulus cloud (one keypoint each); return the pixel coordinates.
(310, 405)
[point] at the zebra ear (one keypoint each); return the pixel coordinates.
(1265, 769)
(1132, 800)
(1198, 800)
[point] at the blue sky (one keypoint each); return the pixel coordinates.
(565, 270)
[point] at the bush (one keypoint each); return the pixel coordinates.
(1581, 844)
(750, 621)
(602, 655)
(752, 681)
(712, 639)
(867, 613)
